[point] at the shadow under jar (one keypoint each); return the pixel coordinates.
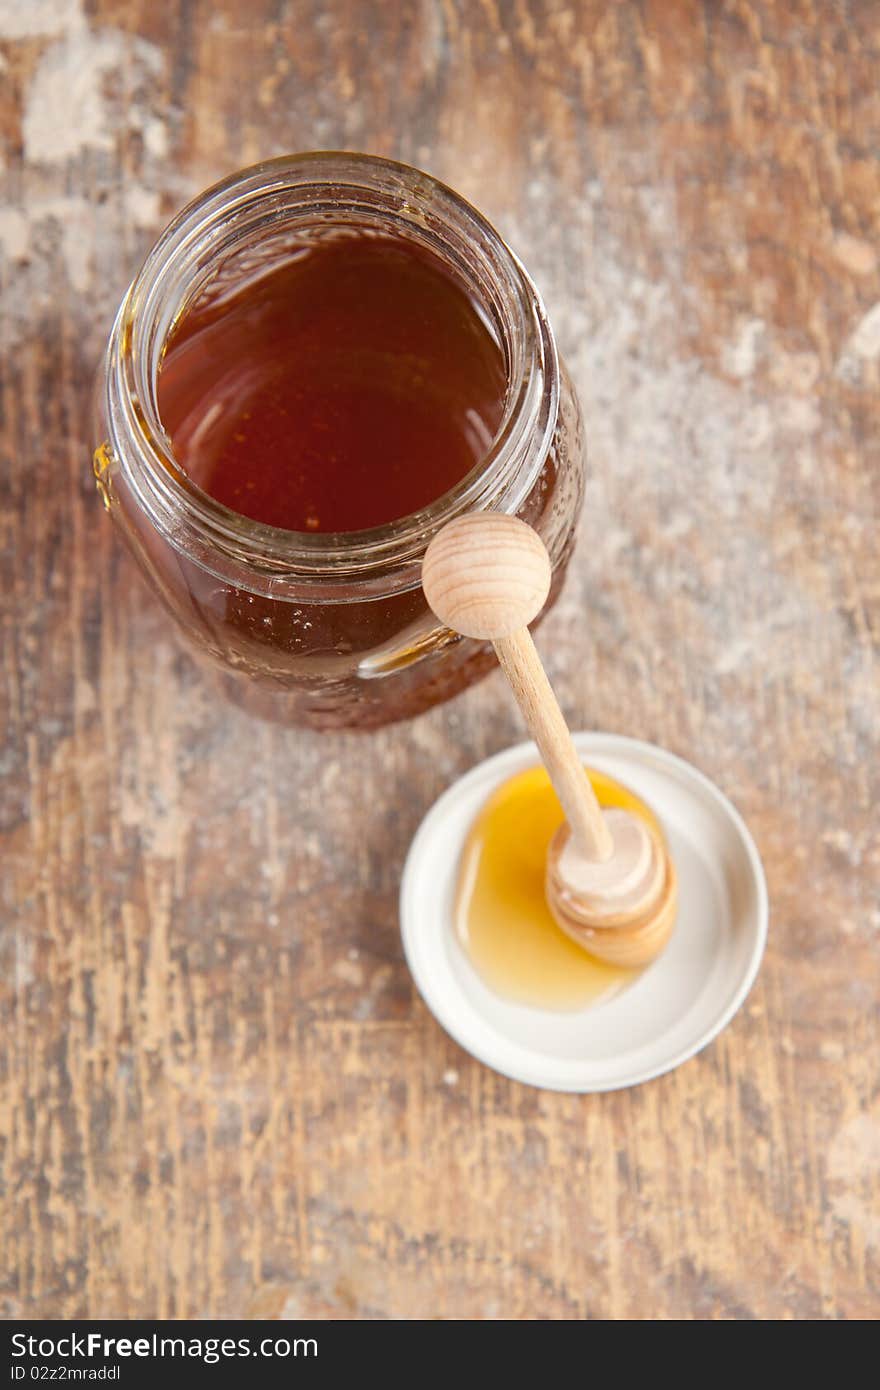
(318, 627)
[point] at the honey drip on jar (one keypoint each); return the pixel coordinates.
(501, 916)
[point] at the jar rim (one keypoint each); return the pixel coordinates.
(204, 230)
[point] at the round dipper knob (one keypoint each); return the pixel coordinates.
(486, 575)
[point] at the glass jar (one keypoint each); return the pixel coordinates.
(329, 630)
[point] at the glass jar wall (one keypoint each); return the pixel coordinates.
(328, 630)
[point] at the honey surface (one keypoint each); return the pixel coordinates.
(501, 916)
(349, 386)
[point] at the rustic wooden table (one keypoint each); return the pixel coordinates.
(219, 1092)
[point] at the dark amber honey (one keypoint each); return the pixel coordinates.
(340, 339)
(350, 386)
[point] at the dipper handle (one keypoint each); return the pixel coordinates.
(487, 575)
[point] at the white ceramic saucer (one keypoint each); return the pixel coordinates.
(677, 1006)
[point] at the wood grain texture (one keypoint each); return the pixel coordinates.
(219, 1093)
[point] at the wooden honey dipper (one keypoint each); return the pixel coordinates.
(610, 883)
